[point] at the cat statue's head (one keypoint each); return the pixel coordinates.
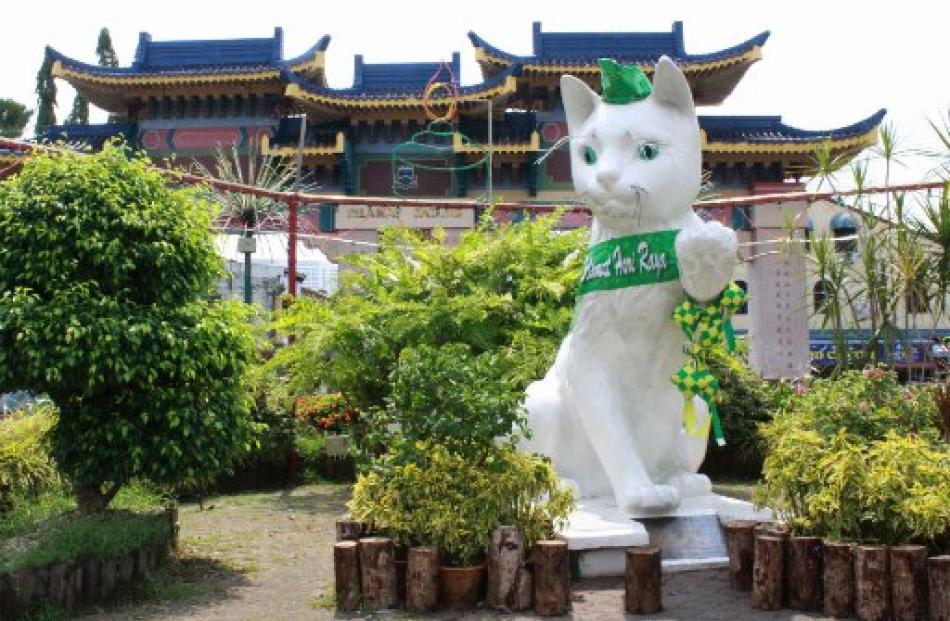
(639, 163)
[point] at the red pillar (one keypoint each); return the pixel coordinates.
(292, 248)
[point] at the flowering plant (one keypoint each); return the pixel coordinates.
(327, 412)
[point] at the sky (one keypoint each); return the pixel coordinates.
(827, 63)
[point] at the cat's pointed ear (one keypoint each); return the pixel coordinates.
(670, 87)
(579, 101)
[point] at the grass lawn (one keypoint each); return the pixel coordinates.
(735, 488)
(38, 531)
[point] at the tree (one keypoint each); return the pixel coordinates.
(108, 58)
(105, 51)
(79, 115)
(104, 306)
(13, 118)
(45, 95)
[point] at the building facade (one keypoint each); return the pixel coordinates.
(496, 139)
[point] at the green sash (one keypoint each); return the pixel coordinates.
(631, 261)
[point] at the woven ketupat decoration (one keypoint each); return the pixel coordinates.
(706, 326)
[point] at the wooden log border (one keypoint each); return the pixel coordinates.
(70, 585)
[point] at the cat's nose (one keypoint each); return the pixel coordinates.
(607, 177)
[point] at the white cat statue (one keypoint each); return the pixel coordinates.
(607, 412)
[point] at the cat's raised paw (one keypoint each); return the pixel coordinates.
(650, 497)
(706, 256)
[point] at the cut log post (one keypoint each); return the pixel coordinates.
(908, 582)
(378, 571)
(162, 545)
(73, 587)
(56, 591)
(938, 579)
(768, 573)
(108, 570)
(174, 526)
(838, 578)
(140, 570)
(346, 570)
(524, 590)
(740, 540)
(643, 590)
(506, 553)
(552, 577)
(25, 589)
(126, 569)
(422, 579)
(6, 596)
(348, 529)
(803, 573)
(90, 581)
(872, 591)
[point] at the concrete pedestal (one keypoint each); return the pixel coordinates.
(690, 536)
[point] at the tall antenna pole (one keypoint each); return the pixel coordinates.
(292, 220)
(491, 149)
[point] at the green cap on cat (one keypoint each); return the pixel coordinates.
(621, 84)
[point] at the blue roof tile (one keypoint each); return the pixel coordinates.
(401, 77)
(405, 80)
(224, 56)
(766, 129)
(586, 47)
(93, 136)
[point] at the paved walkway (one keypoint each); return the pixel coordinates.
(268, 557)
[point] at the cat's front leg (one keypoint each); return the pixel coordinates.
(706, 255)
(606, 416)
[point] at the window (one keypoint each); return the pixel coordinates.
(820, 293)
(844, 229)
(744, 309)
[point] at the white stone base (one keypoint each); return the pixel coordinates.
(599, 532)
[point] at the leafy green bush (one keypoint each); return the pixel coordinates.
(444, 499)
(858, 457)
(104, 306)
(505, 289)
(449, 396)
(26, 466)
(746, 401)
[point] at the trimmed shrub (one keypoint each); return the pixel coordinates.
(27, 468)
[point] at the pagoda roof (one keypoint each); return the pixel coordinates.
(92, 136)
(195, 62)
(768, 134)
(399, 85)
(401, 77)
(712, 75)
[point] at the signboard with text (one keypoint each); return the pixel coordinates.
(363, 217)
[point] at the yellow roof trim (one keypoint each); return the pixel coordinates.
(317, 62)
(520, 147)
(294, 91)
(338, 147)
(750, 56)
(861, 141)
(70, 74)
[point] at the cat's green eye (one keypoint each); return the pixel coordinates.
(590, 156)
(648, 150)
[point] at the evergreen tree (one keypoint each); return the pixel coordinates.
(79, 115)
(108, 58)
(105, 51)
(45, 95)
(13, 118)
